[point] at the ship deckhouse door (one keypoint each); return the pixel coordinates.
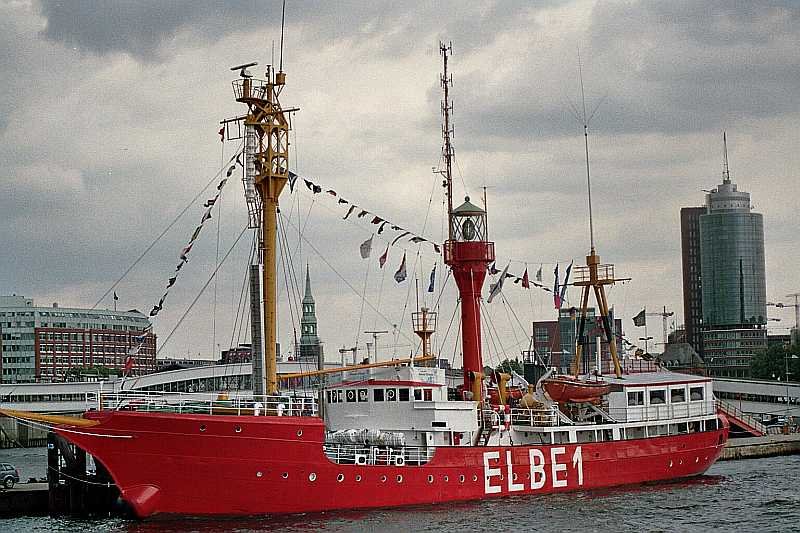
(429, 438)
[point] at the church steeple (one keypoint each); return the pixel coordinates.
(308, 298)
(310, 347)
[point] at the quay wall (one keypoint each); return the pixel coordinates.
(755, 447)
(17, 433)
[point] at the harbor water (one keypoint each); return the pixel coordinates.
(749, 495)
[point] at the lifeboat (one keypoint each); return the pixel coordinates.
(569, 389)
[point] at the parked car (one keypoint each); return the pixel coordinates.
(8, 475)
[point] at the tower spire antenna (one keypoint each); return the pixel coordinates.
(726, 173)
(586, 147)
(446, 50)
(283, 24)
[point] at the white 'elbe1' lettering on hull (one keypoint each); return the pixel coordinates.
(559, 474)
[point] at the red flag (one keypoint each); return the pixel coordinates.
(128, 363)
(525, 281)
(222, 134)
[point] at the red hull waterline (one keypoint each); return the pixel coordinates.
(247, 465)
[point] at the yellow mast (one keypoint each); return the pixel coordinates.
(270, 122)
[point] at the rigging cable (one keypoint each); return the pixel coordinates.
(216, 263)
(349, 285)
(205, 286)
(164, 232)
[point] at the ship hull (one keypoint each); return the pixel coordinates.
(245, 465)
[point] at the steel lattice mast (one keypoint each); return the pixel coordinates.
(267, 170)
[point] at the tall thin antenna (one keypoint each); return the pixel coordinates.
(726, 173)
(283, 20)
(446, 81)
(586, 146)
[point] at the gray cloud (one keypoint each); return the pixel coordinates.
(110, 111)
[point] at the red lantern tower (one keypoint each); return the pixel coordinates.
(467, 252)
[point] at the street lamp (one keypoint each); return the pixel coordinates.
(645, 339)
(786, 372)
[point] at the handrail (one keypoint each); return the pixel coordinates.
(200, 403)
(662, 412)
(361, 454)
(735, 412)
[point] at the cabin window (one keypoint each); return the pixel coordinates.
(677, 395)
(658, 397)
(391, 395)
(362, 395)
(635, 398)
(696, 394)
(377, 395)
(428, 395)
(711, 425)
(418, 395)
(402, 395)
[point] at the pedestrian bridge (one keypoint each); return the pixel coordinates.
(71, 397)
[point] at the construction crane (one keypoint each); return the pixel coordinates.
(664, 316)
(796, 306)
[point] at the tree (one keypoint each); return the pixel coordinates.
(772, 363)
(509, 365)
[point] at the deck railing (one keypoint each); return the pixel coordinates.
(665, 412)
(361, 454)
(209, 404)
(540, 417)
(543, 417)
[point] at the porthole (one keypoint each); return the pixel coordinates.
(474, 477)
(528, 475)
(430, 479)
(446, 478)
(461, 478)
(299, 432)
(502, 477)
(202, 427)
(383, 479)
(399, 478)
(340, 478)
(312, 476)
(358, 477)
(237, 429)
(285, 475)
(515, 476)
(259, 474)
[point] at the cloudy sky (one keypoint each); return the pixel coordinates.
(109, 114)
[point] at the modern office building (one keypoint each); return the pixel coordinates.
(730, 282)
(56, 343)
(692, 278)
(554, 341)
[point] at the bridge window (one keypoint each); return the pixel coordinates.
(391, 395)
(351, 395)
(658, 397)
(635, 398)
(418, 395)
(377, 395)
(677, 395)
(403, 395)
(696, 394)
(362, 395)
